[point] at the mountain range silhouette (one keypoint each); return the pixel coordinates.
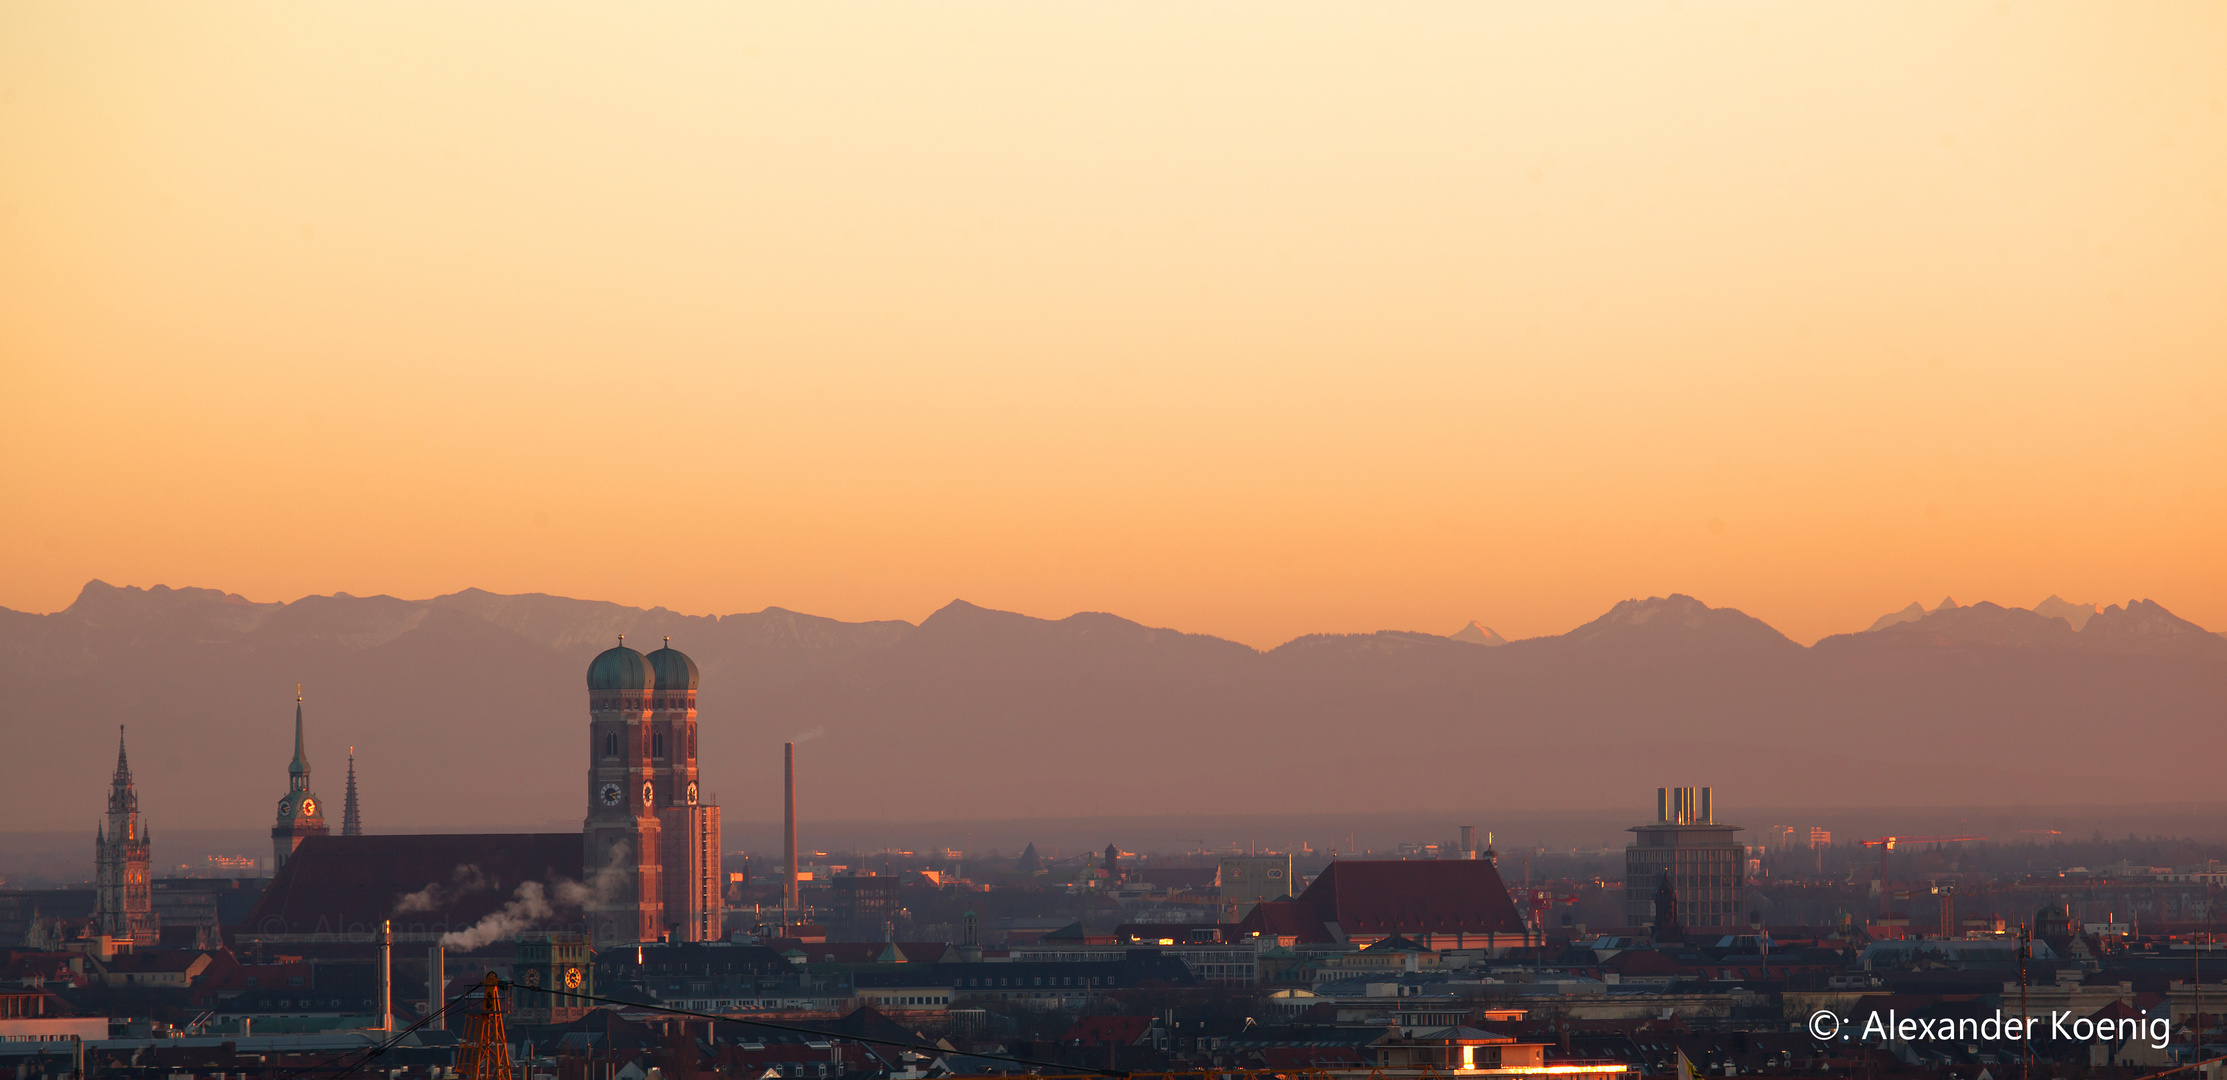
(468, 710)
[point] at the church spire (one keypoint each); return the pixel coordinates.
(298, 770)
(350, 824)
(122, 799)
(122, 870)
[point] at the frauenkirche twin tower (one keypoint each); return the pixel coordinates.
(652, 842)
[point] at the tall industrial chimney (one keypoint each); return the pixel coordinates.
(1469, 841)
(386, 975)
(789, 905)
(436, 986)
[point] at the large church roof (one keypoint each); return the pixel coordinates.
(1413, 896)
(427, 884)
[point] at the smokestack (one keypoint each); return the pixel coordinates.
(1469, 841)
(386, 975)
(788, 802)
(436, 986)
(1662, 804)
(1708, 812)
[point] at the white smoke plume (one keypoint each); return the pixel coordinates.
(527, 906)
(602, 885)
(808, 736)
(466, 880)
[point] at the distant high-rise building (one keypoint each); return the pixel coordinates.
(650, 837)
(350, 824)
(1698, 859)
(301, 814)
(123, 863)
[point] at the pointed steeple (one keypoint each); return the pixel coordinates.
(122, 799)
(121, 861)
(297, 772)
(350, 825)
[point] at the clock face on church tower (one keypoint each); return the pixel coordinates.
(692, 793)
(611, 795)
(649, 793)
(309, 807)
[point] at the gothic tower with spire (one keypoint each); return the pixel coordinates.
(123, 865)
(301, 814)
(350, 824)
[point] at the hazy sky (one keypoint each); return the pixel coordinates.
(1246, 319)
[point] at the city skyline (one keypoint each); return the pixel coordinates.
(1232, 539)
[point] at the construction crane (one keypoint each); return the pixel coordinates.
(1886, 844)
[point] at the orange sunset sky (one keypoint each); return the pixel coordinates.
(1247, 319)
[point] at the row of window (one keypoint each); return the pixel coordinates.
(1056, 980)
(657, 744)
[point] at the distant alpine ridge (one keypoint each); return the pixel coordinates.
(466, 710)
(2141, 626)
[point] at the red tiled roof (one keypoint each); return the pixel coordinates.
(346, 884)
(2117, 1010)
(1283, 918)
(1434, 896)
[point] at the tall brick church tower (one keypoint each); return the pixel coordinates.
(688, 824)
(621, 834)
(652, 845)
